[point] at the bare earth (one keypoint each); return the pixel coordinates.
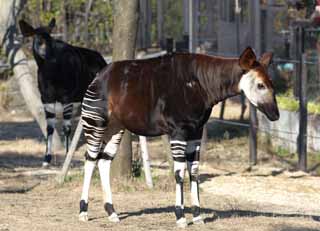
(269, 197)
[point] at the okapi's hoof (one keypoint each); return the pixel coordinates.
(83, 216)
(45, 164)
(198, 220)
(114, 218)
(182, 223)
(46, 161)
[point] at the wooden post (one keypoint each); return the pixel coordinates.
(253, 135)
(146, 160)
(223, 105)
(75, 140)
(255, 22)
(297, 56)
(303, 121)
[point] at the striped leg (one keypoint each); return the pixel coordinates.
(94, 126)
(178, 152)
(193, 157)
(104, 164)
(51, 121)
(67, 115)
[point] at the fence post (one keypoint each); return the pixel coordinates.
(75, 140)
(253, 135)
(303, 112)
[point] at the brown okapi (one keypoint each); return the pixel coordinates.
(173, 95)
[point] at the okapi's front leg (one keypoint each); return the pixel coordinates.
(50, 114)
(104, 164)
(67, 115)
(179, 160)
(193, 158)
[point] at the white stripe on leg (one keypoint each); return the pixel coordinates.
(179, 170)
(88, 171)
(104, 170)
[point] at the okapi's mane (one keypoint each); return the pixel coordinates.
(218, 76)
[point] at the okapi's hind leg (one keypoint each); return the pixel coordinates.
(50, 114)
(193, 158)
(67, 115)
(94, 124)
(104, 164)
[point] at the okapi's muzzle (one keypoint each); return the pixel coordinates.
(270, 110)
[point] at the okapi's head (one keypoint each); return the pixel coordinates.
(42, 41)
(256, 83)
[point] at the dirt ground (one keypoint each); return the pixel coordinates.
(269, 197)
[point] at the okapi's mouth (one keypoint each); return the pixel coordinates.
(270, 110)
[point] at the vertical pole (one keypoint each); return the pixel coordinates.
(75, 140)
(223, 105)
(303, 121)
(191, 26)
(237, 13)
(160, 21)
(298, 56)
(256, 40)
(253, 135)
(185, 17)
(146, 160)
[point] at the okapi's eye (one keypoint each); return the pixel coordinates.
(261, 86)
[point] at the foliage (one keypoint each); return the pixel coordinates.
(288, 102)
(71, 14)
(173, 26)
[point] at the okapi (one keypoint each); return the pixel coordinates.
(173, 95)
(64, 74)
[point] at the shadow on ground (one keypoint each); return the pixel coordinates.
(216, 214)
(11, 160)
(20, 130)
(219, 130)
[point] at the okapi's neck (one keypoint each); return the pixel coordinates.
(218, 76)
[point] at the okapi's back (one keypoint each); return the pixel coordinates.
(142, 93)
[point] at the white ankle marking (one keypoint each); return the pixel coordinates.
(182, 222)
(114, 218)
(83, 216)
(197, 220)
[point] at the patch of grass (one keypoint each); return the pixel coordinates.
(288, 102)
(282, 152)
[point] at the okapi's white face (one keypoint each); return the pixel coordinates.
(256, 83)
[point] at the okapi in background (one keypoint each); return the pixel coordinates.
(173, 95)
(64, 74)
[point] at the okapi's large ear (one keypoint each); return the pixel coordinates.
(26, 29)
(52, 24)
(266, 59)
(247, 59)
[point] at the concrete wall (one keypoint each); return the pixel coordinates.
(284, 132)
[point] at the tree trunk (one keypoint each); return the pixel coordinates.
(86, 21)
(9, 10)
(124, 40)
(64, 20)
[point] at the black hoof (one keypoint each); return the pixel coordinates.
(47, 160)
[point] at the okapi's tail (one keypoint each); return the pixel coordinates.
(94, 117)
